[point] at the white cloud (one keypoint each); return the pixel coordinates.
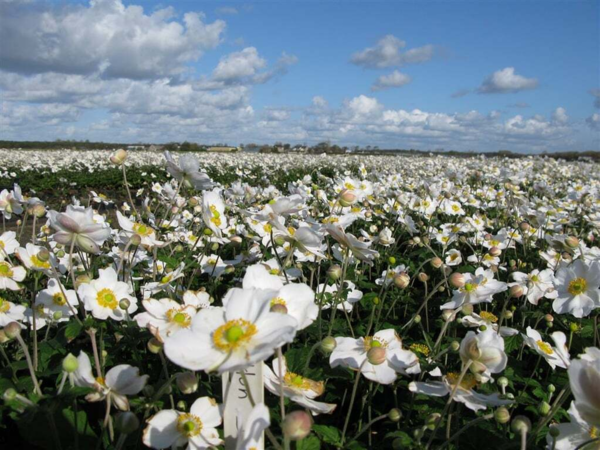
(560, 115)
(319, 102)
(506, 80)
(239, 65)
(388, 53)
(106, 37)
(596, 93)
(394, 79)
(594, 121)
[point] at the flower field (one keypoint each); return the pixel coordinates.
(247, 301)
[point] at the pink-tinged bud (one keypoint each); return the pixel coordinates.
(572, 242)
(401, 280)
(524, 226)
(348, 197)
(516, 291)
(118, 157)
(495, 251)
(549, 318)
(436, 263)
(487, 237)
(187, 382)
(423, 277)
(376, 355)
(297, 425)
(279, 308)
(12, 330)
(567, 257)
(457, 280)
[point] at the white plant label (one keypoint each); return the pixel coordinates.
(237, 401)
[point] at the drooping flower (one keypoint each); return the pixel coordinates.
(297, 388)
(103, 296)
(197, 429)
(358, 248)
(188, 171)
(232, 337)
(577, 287)
(485, 350)
(77, 226)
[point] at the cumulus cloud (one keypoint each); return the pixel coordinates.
(505, 81)
(238, 65)
(594, 121)
(106, 36)
(560, 115)
(394, 79)
(388, 52)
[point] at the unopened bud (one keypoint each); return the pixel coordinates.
(181, 405)
(423, 277)
(70, 364)
(43, 255)
(448, 315)
(82, 279)
(39, 211)
(297, 425)
(347, 197)
(401, 280)
(395, 415)
(467, 309)
(432, 420)
(516, 291)
(524, 226)
(495, 251)
(236, 241)
(334, 272)
(154, 345)
(551, 388)
(126, 422)
(3, 337)
(376, 355)
(214, 247)
(502, 415)
(124, 304)
(503, 382)
(549, 318)
(187, 382)
(455, 346)
(328, 345)
(457, 280)
(554, 431)
(436, 263)
(12, 330)
(521, 424)
(507, 314)
(118, 157)
(417, 319)
(135, 239)
(392, 260)
(543, 408)
(572, 242)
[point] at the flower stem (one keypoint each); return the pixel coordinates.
(354, 389)
(36, 385)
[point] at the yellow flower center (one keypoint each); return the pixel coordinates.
(545, 347)
(348, 185)
(166, 279)
(59, 299)
(5, 270)
(233, 334)
(216, 215)
(594, 433)
(535, 278)
(4, 305)
(189, 425)
(420, 348)
(296, 381)
(488, 316)
(2, 245)
(142, 229)
(455, 208)
(39, 263)
(106, 298)
(371, 342)
(469, 287)
(468, 382)
(180, 318)
(577, 286)
(267, 228)
(277, 301)
(291, 230)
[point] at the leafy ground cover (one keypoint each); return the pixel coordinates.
(392, 302)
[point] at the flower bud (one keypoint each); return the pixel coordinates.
(279, 308)
(467, 309)
(551, 388)
(495, 251)
(423, 277)
(214, 247)
(187, 382)
(118, 157)
(124, 304)
(43, 255)
(334, 272)
(549, 318)
(516, 291)
(524, 226)
(401, 280)
(70, 363)
(3, 337)
(236, 241)
(521, 424)
(502, 415)
(507, 314)
(432, 420)
(82, 279)
(503, 382)
(572, 242)
(279, 241)
(417, 319)
(154, 345)
(297, 425)
(347, 197)
(447, 315)
(126, 422)
(328, 345)
(473, 351)
(457, 280)
(148, 390)
(543, 408)
(436, 263)
(181, 405)
(554, 431)
(395, 415)
(12, 330)
(455, 346)
(39, 211)
(376, 355)
(57, 315)
(207, 232)
(135, 239)
(392, 260)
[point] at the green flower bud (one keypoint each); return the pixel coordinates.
(70, 363)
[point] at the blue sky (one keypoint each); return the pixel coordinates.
(458, 75)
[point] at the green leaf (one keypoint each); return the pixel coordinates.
(310, 443)
(328, 434)
(72, 330)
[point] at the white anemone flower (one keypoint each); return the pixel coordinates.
(453, 258)
(536, 284)
(465, 392)
(9, 312)
(77, 226)
(197, 429)
(487, 319)
(8, 244)
(479, 287)
(52, 302)
(165, 317)
(233, 337)
(11, 202)
(485, 350)
(354, 295)
(103, 295)
(250, 434)
(352, 353)
(584, 377)
(577, 287)
(555, 356)
(213, 213)
(119, 382)
(297, 388)
(146, 233)
(11, 275)
(188, 171)
(387, 276)
(574, 433)
(30, 259)
(358, 248)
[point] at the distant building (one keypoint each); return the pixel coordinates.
(155, 148)
(223, 149)
(135, 147)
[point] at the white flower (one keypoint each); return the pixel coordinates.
(487, 319)
(358, 248)
(536, 284)
(197, 429)
(52, 301)
(486, 351)
(102, 296)
(584, 377)
(352, 353)
(577, 286)
(8, 244)
(77, 225)
(145, 232)
(213, 212)
(165, 317)
(573, 434)
(297, 388)
(453, 258)
(555, 356)
(233, 337)
(188, 171)
(165, 283)
(354, 295)
(11, 275)
(479, 287)
(119, 382)
(9, 312)
(387, 276)
(250, 434)
(10, 202)
(29, 257)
